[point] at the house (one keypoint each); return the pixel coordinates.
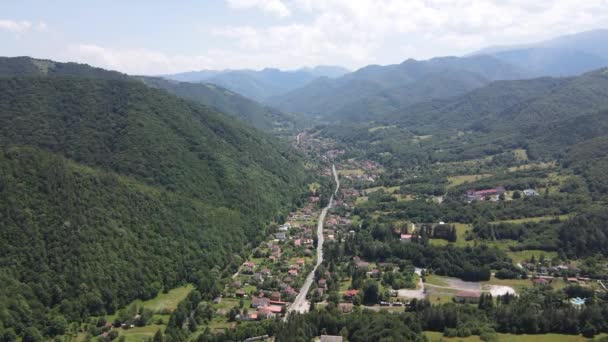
(239, 293)
(480, 195)
(252, 316)
(265, 272)
(572, 280)
(275, 309)
(362, 265)
(322, 283)
(467, 297)
(265, 313)
(288, 290)
(331, 338)
(260, 302)
(350, 294)
(280, 236)
(300, 261)
(258, 277)
(293, 272)
(530, 192)
(297, 242)
(540, 281)
(375, 273)
(275, 296)
(405, 238)
(249, 264)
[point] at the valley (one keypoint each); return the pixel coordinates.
(442, 199)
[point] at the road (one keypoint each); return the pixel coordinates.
(300, 304)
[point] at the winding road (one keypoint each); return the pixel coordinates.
(300, 304)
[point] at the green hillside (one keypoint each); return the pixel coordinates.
(373, 91)
(111, 191)
(226, 101)
(27, 66)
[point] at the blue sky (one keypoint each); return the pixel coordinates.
(166, 36)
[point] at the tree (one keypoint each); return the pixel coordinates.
(32, 334)
(158, 336)
(516, 195)
(370, 292)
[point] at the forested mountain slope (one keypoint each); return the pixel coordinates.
(544, 116)
(513, 105)
(373, 91)
(226, 101)
(111, 191)
(27, 66)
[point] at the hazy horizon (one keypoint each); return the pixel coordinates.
(153, 37)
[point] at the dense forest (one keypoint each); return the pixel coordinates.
(226, 101)
(112, 191)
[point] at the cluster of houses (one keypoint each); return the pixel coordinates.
(557, 270)
(369, 170)
(493, 194)
(282, 267)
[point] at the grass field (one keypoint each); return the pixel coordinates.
(458, 180)
(435, 280)
(139, 334)
(388, 190)
(534, 219)
(164, 303)
(360, 199)
(355, 172)
(313, 187)
(167, 302)
(521, 256)
(531, 166)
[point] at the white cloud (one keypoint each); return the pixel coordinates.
(136, 61)
(356, 32)
(15, 26)
(275, 7)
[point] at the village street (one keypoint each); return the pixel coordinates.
(300, 304)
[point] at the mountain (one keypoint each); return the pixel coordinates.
(262, 84)
(226, 101)
(551, 61)
(27, 66)
(111, 191)
(567, 55)
(375, 90)
(544, 114)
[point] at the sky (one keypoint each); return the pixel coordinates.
(168, 36)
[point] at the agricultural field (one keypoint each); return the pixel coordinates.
(459, 180)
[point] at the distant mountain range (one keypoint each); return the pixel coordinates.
(262, 84)
(375, 90)
(562, 56)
